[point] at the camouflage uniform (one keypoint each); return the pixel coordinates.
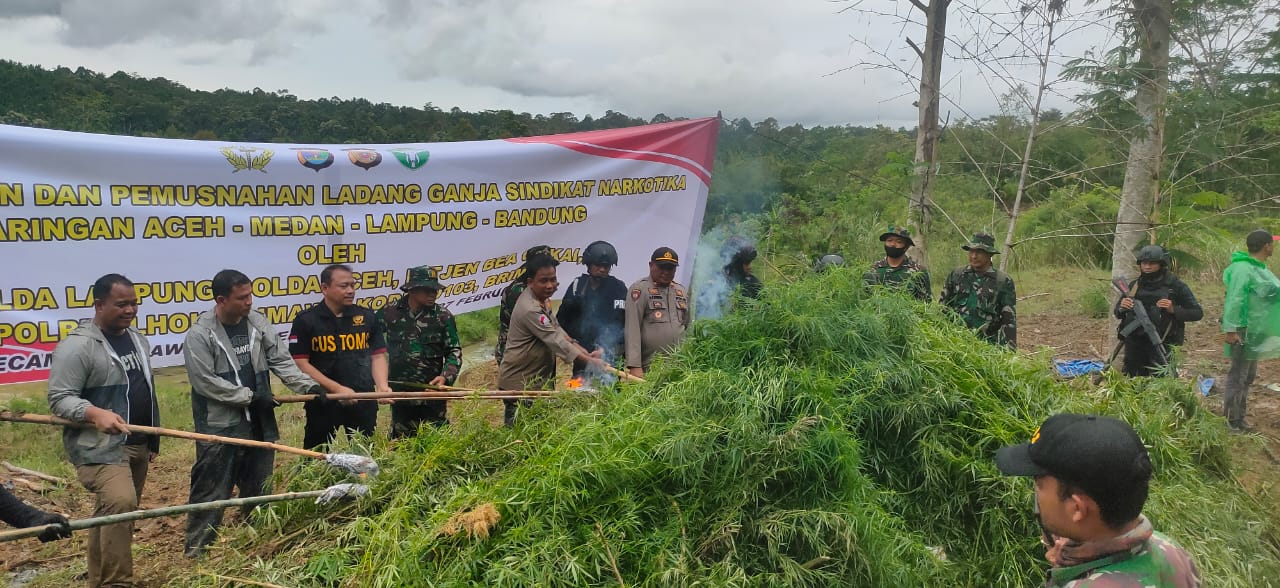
(909, 275)
(420, 346)
(1146, 559)
(984, 300)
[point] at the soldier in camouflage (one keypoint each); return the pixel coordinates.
(1092, 475)
(510, 295)
(422, 347)
(896, 269)
(983, 296)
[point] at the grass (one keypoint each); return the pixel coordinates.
(823, 436)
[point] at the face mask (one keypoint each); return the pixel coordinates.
(894, 252)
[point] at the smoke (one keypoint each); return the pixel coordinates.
(713, 288)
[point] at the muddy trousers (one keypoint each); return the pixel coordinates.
(217, 470)
(118, 488)
(1241, 376)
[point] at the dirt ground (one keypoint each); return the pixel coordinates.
(158, 542)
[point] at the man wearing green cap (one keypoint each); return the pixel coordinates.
(422, 347)
(1092, 476)
(896, 270)
(983, 296)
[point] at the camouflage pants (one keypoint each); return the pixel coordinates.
(407, 417)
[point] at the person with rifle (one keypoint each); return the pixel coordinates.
(101, 374)
(593, 311)
(982, 295)
(230, 353)
(896, 269)
(1250, 321)
(1154, 310)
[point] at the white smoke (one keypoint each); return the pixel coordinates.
(714, 292)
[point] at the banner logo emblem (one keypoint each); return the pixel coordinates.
(245, 158)
(364, 158)
(316, 159)
(411, 158)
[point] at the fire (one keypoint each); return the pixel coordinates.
(574, 383)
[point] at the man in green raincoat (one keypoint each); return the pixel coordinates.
(1250, 321)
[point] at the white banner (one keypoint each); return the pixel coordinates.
(168, 214)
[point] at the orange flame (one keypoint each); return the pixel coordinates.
(574, 383)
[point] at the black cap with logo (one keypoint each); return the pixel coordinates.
(1101, 455)
(665, 256)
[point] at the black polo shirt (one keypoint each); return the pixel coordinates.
(340, 347)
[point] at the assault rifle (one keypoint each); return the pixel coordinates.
(1141, 321)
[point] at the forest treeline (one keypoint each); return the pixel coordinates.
(803, 190)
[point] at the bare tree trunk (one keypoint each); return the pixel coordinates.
(919, 211)
(1051, 18)
(1142, 173)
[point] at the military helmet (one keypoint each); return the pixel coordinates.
(1154, 253)
(738, 251)
(828, 261)
(600, 253)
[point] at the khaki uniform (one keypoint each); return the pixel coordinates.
(656, 319)
(534, 341)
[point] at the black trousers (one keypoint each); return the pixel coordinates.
(1141, 358)
(217, 470)
(407, 416)
(324, 419)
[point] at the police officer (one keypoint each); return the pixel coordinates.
(657, 312)
(342, 347)
(1092, 476)
(593, 309)
(983, 296)
(509, 296)
(1169, 304)
(738, 253)
(898, 270)
(422, 347)
(535, 338)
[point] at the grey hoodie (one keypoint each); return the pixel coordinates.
(87, 372)
(220, 403)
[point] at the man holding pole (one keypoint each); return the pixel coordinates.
(342, 347)
(101, 374)
(1250, 321)
(230, 353)
(423, 347)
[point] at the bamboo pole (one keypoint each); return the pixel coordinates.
(166, 511)
(41, 419)
(32, 473)
(431, 395)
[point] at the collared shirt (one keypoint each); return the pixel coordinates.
(421, 345)
(533, 343)
(985, 301)
(340, 347)
(657, 317)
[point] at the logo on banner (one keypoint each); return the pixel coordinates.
(411, 158)
(316, 159)
(243, 158)
(364, 158)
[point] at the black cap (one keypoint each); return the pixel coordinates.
(1259, 238)
(665, 256)
(1102, 455)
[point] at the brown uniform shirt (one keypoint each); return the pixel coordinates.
(533, 342)
(656, 320)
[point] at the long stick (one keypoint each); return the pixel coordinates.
(497, 394)
(42, 419)
(32, 473)
(621, 374)
(167, 511)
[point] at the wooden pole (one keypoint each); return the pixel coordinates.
(432, 395)
(41, 419)
(167, 511)
(32, 473)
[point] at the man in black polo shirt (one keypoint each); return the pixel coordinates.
(342, 347)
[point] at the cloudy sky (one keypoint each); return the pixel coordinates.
(806, 61)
